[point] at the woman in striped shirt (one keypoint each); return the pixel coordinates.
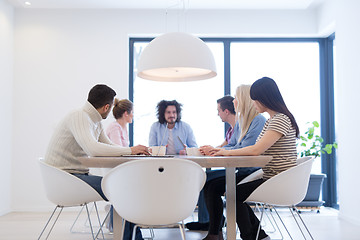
(277, 139)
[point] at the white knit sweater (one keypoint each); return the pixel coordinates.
(80, 134)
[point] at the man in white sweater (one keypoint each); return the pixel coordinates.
(81, 134)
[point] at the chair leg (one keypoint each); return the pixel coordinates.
(134, 231)
(181, 227)
(77, 217)
(152, 234)
(282, 222)
(271, 222)
(61, 208)
(277, 226)
(97, 214)
(88, 213)
(102, 225)
(261, 216)
(295, 209)
(123, 227)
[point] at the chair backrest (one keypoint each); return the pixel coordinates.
(285, 189)
(303, 159)
(64, 189)
(154, 191)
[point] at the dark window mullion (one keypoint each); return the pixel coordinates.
(328, 162)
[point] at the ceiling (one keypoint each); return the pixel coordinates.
(168, 4)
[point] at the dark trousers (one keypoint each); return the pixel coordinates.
(203, 214)
(246, 220)
(213, 191)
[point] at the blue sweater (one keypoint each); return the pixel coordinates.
(249, 139)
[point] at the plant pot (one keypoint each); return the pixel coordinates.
(311, 199)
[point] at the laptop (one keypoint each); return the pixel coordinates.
(149, 156)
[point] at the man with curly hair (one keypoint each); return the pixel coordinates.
(170, 131)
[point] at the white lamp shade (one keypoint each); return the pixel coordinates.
(176, 57)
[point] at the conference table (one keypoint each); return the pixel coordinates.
(230, 163)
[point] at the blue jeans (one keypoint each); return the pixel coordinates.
(95, 182)
(203, 214)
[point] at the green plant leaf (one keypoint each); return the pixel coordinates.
(316, 124)
(312, 144)
(303, 138)
(311, 130)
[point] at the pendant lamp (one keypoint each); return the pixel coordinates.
(176, 57)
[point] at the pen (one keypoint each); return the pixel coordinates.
(181, 142)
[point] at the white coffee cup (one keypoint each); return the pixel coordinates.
(193, 151)
(158, 150)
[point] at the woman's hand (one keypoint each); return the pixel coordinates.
(205, 150)
(219, 152)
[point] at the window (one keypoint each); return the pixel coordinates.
(198, 99)
(295, 68)
(300, 67)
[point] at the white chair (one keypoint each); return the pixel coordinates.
(258, 174)
(303, 159)
(155, 192)
(286, 189)
(66, 190)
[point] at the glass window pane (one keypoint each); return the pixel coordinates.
(295, 68)
(198, 99)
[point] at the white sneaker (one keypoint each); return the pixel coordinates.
(266, 238)
(107, 207)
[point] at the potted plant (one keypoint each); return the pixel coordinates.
(312, 144)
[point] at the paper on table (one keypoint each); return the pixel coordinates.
(193, 151)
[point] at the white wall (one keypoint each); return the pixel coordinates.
(326, 16)
(348, 85)
(6, 89)
(61, 54)
(341, 16)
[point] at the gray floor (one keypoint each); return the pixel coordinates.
(24, 226)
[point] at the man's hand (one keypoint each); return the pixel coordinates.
(140, 149)
(182, 152)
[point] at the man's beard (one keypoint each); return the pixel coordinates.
(171, 120)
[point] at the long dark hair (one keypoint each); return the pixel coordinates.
(161, 107)
(268, 94)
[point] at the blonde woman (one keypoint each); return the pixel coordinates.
(248, 127)
(123, 114)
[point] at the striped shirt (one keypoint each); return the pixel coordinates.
(283, 150)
